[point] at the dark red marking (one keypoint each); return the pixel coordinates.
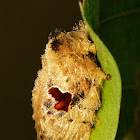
(63, 98)
(57, 94)
(108, 77)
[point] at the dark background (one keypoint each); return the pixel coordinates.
(24, 29)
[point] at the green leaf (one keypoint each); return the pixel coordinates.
(92, 13)
(119, 29)
(117, 24)
(108, 114)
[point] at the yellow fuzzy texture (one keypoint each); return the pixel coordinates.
(66, 65)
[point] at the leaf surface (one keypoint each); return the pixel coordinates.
(108, 114)
(117, 24)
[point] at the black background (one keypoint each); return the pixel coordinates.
(24, 29)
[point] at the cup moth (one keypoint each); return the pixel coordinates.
(67, 89)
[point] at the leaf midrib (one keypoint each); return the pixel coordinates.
(121, 14)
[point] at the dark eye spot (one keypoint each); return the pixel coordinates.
(79, 106)
(84, 122)
(50, 83)
(82, 95)
(67, 80)
(91, 56)
(61, 114)
(48, 104)
(75, 100)
(41, 137)
(55, 44)
(91, 126)
(70, 120)
(49, 112)
(90, 39)
(89, 81)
